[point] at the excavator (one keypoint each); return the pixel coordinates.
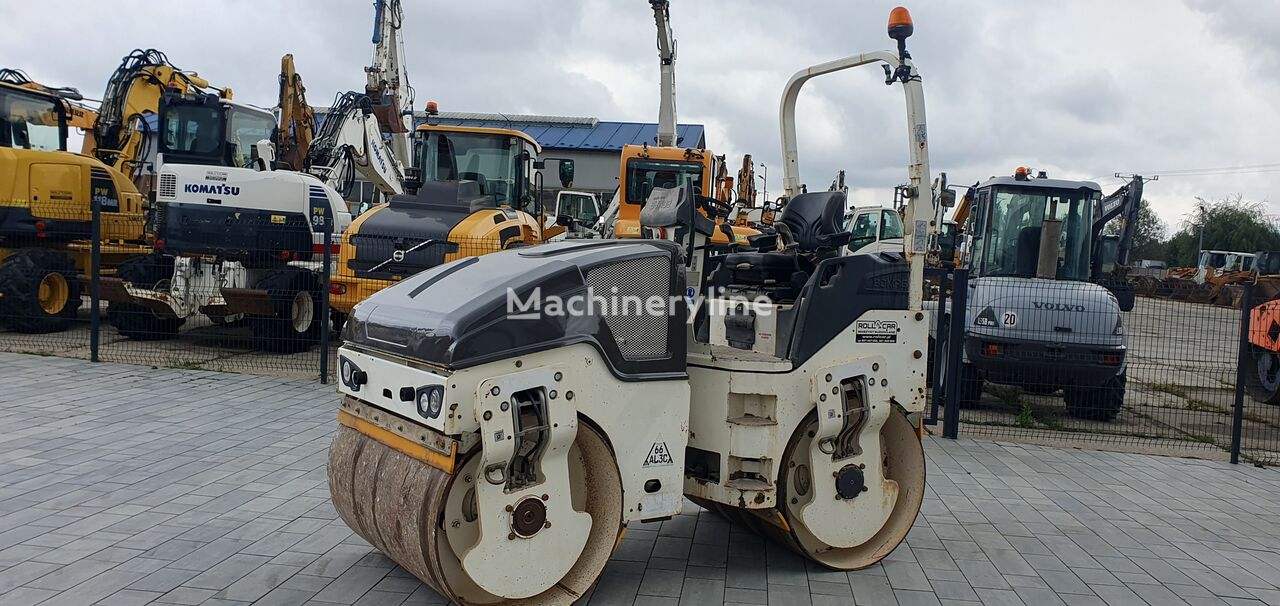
(234, 238)
(467, 190)
(350, 140)
(1039, 314)
(46, 207)
(666, 164)
(504, 418)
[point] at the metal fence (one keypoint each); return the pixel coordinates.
(251, 292)
(1043, 361)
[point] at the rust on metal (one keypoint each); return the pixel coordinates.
(446, 463)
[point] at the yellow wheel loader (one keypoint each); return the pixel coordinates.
(505, 417)
(473, 193)
(46, 213)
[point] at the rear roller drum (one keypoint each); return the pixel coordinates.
(903, 460)
(427, 520)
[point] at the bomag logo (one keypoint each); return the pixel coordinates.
(1057, 306)
(214, 190)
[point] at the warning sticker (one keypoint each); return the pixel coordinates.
(875, 331)
(659, 456)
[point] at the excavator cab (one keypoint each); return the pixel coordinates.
(204, 129)
(31, 120)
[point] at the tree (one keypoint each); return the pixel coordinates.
(1148, 236)
(1231, 223)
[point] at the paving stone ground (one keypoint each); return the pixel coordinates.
(126, 485)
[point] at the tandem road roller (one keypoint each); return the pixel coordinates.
(504, 417)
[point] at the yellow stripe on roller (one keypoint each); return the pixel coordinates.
(410, 449)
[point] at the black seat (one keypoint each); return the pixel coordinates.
(815, 223)
(816, 220)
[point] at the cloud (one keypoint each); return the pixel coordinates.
(1082, 89)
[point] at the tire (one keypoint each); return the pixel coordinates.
(1263, 376)
(295, 297)
(337, 320)
(134, 321)
(39, 291)
(970, 386)
(1096, 403)
(139, 323)
(970, 383)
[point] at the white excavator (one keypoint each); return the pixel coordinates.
(496, 443)
(388, 81)
(233, 237)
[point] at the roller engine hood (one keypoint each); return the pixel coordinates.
(469, 312)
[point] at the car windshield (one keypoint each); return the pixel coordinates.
(490, 159)
(247, 126)
(579, 206)
(1017, 216)
(29, 121)
(644, 176)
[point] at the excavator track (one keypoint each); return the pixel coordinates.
(425, 519)
(904, 463)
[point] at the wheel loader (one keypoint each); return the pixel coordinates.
(503, 418)
(46, 214)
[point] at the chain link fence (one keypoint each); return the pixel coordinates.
(1056, 362)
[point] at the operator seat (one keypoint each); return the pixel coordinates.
(815, 222)
(1028, 251)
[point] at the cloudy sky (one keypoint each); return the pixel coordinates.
(1188, 89)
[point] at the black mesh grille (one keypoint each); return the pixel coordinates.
(640, 335)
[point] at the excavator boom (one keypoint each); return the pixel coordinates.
(388, 80)
(667, 64)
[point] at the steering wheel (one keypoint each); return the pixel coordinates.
(714, 208)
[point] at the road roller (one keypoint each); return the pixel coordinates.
(504, 418)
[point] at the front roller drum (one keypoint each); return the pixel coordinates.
(903, 460)
(426, 520)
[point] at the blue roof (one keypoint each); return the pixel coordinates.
(589, 135)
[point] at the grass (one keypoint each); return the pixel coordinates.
(1169, 388)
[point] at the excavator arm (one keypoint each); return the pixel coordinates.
(78, 115)
(1125, 202)
(350, 141)
(297, 120)
(388, 80)
(747, 181)
(121, 136)
(667, 63)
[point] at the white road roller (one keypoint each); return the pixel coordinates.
(505, 417)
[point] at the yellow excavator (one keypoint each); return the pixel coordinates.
(46, 207)
(667, 165)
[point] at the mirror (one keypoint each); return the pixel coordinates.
(566, 173)
(948, 198)
(564, 220)
(412, 178)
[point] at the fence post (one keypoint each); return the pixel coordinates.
(1242, 363)
(324, 301)
(959, 298)
(939, 341)
(95, 270)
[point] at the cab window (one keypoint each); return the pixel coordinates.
(31, 122)
(644, 176)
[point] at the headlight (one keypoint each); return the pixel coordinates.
(986, 318)
(351, 374)
(430, 401)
